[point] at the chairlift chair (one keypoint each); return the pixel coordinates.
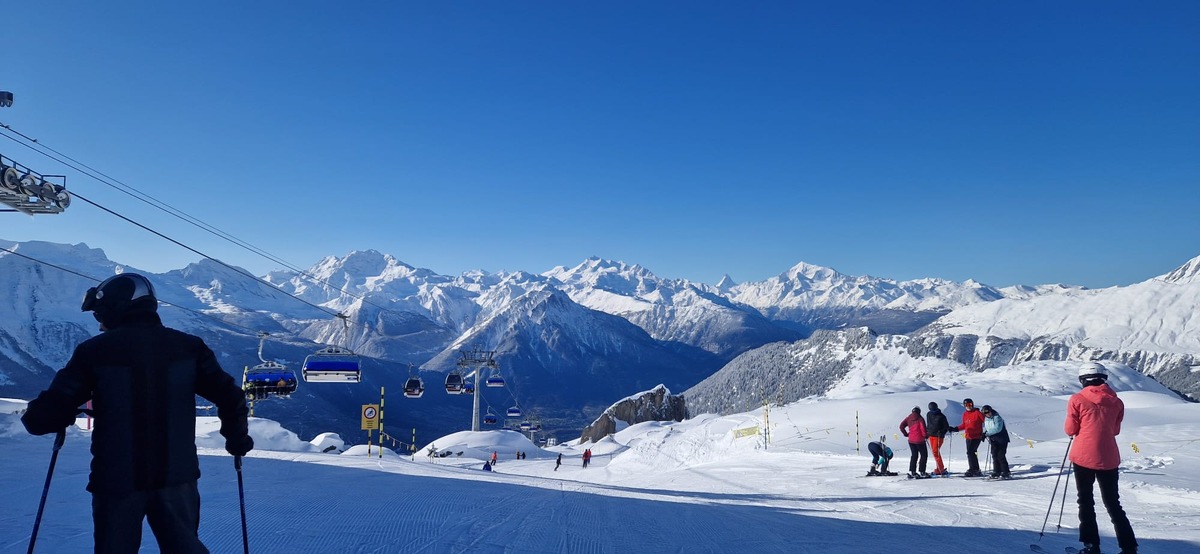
(490, 418)
(513, 412)
(454, 383)
(525, 426)
(268, 379)
(495, 381)
(414, 387)
(332, 365)
(468, 387)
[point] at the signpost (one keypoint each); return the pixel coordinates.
(370, 422)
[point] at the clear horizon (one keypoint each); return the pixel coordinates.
(1017, 144)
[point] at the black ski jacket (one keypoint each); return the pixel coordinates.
(936, 424)
(142, 379)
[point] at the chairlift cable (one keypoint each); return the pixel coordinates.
(167, 208)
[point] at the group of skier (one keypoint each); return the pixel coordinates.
(928, 434)
(1093, 421)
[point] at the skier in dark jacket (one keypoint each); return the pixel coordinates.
(142, 379)
(997, 435)
(937, 427)
(558, 462)
(880, 456)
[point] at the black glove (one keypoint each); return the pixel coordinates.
(49, 413)
(239, 446)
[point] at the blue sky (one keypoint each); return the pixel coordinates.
(1009, 143)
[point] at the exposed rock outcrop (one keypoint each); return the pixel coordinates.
(657, 404)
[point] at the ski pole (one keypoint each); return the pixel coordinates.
(949, 449)
(1061, 468)
(1063, 507)
(37, 522)
(987, 462)
(237, 465)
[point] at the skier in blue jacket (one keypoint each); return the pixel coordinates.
(880, 456)
(997, 435)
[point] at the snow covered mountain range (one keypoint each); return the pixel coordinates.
(571, 340)
(1150, 327)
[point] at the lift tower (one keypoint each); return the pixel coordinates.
(476, 360)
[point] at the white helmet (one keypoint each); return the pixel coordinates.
(1092, 370)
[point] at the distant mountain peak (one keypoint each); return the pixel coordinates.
(812, 272)
(1185, 273)
(726, 283)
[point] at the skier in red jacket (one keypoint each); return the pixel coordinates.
(1094, 417)
(972, 428)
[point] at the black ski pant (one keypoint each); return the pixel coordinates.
(919, 451)
(973, 456)
(173, 513)
(999, 459)
(1089, 533)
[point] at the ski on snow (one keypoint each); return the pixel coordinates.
(1043, 550)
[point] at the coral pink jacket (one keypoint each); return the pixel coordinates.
(913, 427)
(1094, 417)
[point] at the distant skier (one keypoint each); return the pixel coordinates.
(493, 457)
(937, 427)
(142, 379)
(913, 427)
(558, 462)
(881, 454)
(587, 457)
(487, 466)
(997, 434)
(972, 428)
(1094, 417)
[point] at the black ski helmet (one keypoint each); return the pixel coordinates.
(120, 295)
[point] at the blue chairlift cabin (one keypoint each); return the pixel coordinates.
(495, 381)
(525, 426)
(454, 383)
(490, 418)
(268, 379)
(414, 387)
(468, 387)
(332, 365)
(513, 412)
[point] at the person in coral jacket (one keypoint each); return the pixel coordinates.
(972, 429)
(1094, 417)
(913, 427)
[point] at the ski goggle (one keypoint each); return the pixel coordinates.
(89, 299)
